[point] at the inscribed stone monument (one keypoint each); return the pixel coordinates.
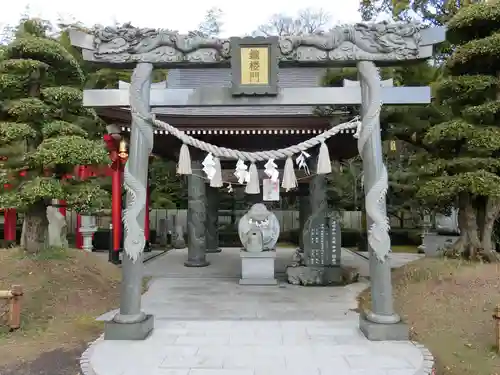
(320, 262)
(321, 237)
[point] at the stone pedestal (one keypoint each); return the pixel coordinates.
(314, 276)
(139, 330)
(87, 229)
(383, 332)
(258, 268)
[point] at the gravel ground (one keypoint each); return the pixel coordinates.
(57, 362)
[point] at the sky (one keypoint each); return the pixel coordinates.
(240, 17)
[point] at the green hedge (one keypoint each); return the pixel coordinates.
(399, 237)
(473, 22)
(102, 238)
(480, 56)
(349, 238)
(460, 91)
(230, 238)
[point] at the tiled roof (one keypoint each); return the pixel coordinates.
(194, 78)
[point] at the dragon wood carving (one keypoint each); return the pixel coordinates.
(375, 41)
(396, 40)
(124, 42)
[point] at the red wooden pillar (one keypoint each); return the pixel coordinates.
(9, 225)
(116, 203)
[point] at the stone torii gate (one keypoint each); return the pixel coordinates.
(362, 45)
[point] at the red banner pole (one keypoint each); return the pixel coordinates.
(116, 204)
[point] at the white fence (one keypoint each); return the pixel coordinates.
(289, 220)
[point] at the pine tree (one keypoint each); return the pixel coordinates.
(44, 132)
(467, 147)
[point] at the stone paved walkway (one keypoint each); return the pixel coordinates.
(208, 324)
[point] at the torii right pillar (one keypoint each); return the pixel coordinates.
(381, 322)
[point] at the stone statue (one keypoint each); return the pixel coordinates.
(259, 229)
(178, 241)
(57, 227)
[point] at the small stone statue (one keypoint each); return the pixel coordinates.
(255, 241)
(57, 227)
(178, 241)
(178, 238)
(87, 229)
(259, 229)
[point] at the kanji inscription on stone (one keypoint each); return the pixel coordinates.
(322, 240)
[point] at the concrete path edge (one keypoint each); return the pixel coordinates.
(427, 367)
(85, 364)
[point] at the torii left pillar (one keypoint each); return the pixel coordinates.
(131, 323)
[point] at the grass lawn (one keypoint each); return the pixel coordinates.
(286, 245)
(64, 290)
(449, 305)
(405, 249)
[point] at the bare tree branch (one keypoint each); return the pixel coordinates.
(308, 21)
(211, 26)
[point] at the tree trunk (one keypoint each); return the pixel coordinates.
(492, 210)
(36, 228)
(473, 243)
(481, 203)
(476, 229)
(23, 231)
(458, 248)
